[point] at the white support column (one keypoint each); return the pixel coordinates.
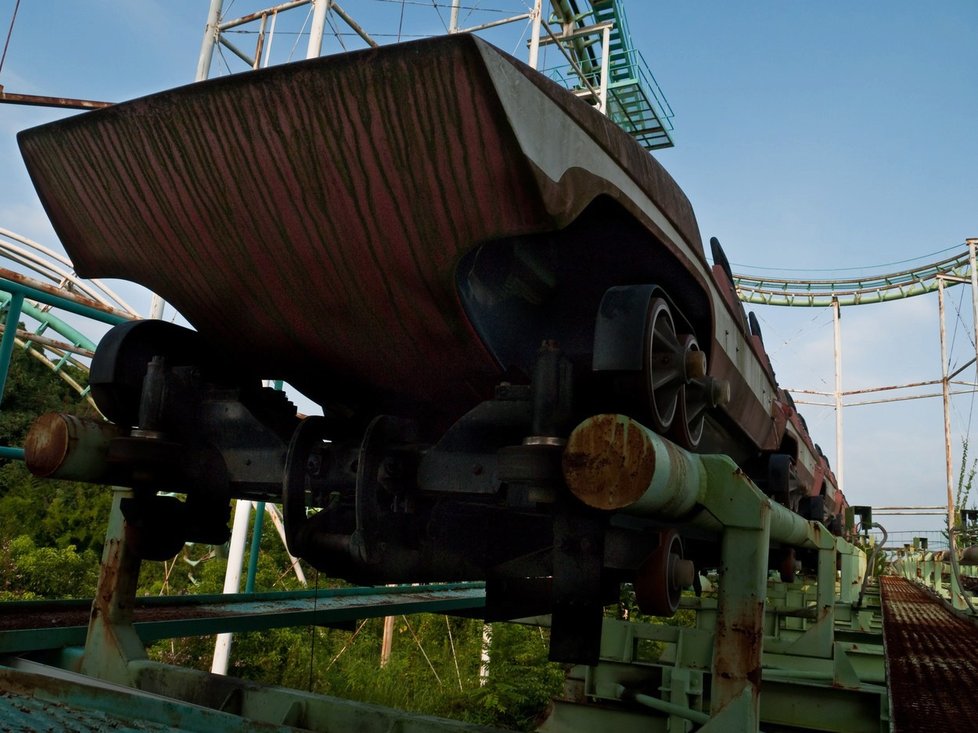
(605, 62)
(972, 246)
(536, 16)
(260, 44)
(232, 579)
(211, 34)
(837, 328)
(316, 31)
(945, 393)
(453, 21)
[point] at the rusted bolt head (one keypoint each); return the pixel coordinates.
(683, 572)
(695, 365)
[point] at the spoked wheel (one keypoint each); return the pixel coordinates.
(687, 427)
(303, 464)
(665, 370)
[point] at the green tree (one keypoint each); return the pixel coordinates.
(53, 513)
(28, 571)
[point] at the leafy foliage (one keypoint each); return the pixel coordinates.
(51, 532)
(28, 571)
(55, 513)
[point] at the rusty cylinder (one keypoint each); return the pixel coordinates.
(612, 462)
(617, 464)
(69, 447)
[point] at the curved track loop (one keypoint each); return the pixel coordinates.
(850, 291)
(52, 269)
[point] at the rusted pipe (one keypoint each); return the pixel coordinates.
(615, 463)
(69, 447)
(34, 100)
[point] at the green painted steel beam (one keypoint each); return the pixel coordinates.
(14, 308)
(18, 288)
(159, 617)
(636, 102)
(49, 320)
(36, 697)
(34, 701)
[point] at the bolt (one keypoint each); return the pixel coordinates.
(683, 572)
(695, 365)
(392, 468)
(314, 464)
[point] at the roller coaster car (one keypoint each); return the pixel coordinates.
(459, 261)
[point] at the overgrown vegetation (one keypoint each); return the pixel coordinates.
(966, 524)
(433, 668)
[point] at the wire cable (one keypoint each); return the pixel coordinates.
(10, 32)
(848, 269)
(400, 23)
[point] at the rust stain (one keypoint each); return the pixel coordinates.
(737, 660)
(46, 445)
(608, 462)
(61, 293)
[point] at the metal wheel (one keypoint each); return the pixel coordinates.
(662, 577)
(665, 371)
(120, 362)
(303, 462)
(687, 428)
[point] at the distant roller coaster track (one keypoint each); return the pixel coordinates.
(55, 283)
(852, 291)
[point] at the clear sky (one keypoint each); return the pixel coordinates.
(830, 136)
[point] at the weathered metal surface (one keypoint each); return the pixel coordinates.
(613, 462)
(36, 100)
(111, 641)
(315, 232)
(35, 697)
(930, 658)
(21, 709)
(37, 625)
(68, 447)
(739, 632)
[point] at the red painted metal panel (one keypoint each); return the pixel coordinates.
(309, 218)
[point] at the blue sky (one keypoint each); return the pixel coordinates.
(809, 136)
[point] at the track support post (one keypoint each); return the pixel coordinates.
(852, 574)
(112, 641)
(739, 632)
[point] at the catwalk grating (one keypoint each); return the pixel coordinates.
(930, 661)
